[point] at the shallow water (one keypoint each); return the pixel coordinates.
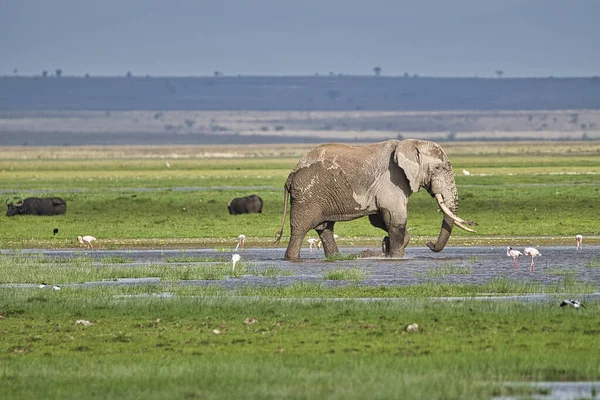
(479, 265)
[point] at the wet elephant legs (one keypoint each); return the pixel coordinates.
(325, 231)
(398, 237)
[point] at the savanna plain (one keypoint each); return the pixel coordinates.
(307, 340)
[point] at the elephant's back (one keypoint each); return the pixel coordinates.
(334, 156)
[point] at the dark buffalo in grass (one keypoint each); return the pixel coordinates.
(245, 205)
(37, 206)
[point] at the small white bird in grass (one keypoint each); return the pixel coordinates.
(571, 302)
(55, 287)
(578, 241)
(234, 259)
(241, 239)
(86, 240)
(514, 254)
(313, 243)
(465, 172)
(168, 164)
(531, 252)
(42, 285)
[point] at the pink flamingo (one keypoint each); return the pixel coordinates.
(514, 254)
(579, 240)
(531, 252)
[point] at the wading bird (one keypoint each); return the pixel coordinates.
(531, 252)
(313, 243)
(240, 242)
(571, 302)
(514, 254)
(465, 172)
(55, 287)
(86, 240)
(234, 259)
(55, 231)
(42, 285)
(578, 241)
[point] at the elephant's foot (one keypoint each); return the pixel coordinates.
(385, 245)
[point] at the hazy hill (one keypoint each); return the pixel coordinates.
(315, 93)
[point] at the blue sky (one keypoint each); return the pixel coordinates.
(283, 37)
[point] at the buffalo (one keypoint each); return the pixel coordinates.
(37, 206)
(245, 205)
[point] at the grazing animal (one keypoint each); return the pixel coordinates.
(245, 205)
(234, 259)
(55, 231)
(571, 302)
(86, 240)
(531, 252)
(313, 243)
(578, 241)
(37, 206)
(514, 254)
(241, 239)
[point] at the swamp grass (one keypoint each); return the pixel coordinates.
(217, 346)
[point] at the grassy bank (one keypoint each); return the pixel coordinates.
(216, 347)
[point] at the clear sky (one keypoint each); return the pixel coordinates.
(301, 37)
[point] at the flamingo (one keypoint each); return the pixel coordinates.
(579, 240)
(531, 252)
(240, 242)
(86, 240)
(514, 254)
(234, 259)
(313, 243)
(570, 302)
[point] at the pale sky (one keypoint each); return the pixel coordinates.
(301, 37)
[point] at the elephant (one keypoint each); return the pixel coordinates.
(337, 182)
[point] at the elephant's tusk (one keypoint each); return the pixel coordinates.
(461, 226)
(457, 221)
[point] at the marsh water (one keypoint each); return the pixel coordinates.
(459, 265)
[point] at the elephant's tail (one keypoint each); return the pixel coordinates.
(286, 196)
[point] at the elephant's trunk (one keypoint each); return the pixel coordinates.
(449, 205)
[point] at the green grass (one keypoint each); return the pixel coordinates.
(594, 263)
(447, 269)
(158, 348)
(354, 274)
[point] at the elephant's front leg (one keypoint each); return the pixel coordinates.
(398, 240)
(325, 231)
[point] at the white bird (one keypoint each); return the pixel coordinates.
(531, 252)
(234, 259)
(313, 243)
(571, 302)
(86, 240)
(578, 241)
(240, 242)
(42, 285)
(514, 254)
(465, 172)
(55, 287)
(168, 164)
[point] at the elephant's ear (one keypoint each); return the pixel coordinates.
(408, 159)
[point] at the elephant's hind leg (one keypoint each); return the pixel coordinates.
(325, 231)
